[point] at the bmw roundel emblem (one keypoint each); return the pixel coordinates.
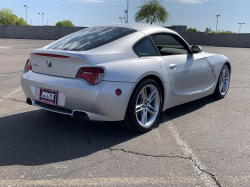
(49, 63)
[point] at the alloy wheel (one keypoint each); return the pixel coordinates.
(224, 80)
(147, 105)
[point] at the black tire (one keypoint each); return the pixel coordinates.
(217, 94)
(130, 122)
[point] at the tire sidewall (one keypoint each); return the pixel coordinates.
(131, 114)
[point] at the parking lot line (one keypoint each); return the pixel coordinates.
(10, 93)
(208, 179)
(4, 74)
(104, 181)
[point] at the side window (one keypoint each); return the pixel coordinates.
(169, 45)
(145, 47)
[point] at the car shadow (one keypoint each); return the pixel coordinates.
(40, 137)
(186, 108)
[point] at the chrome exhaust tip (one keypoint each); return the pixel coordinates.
(81, 115)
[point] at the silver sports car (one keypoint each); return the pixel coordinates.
(122, 72)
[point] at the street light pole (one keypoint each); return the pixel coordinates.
(31, 22)
(127, 11)
(121, 19)
(217, 21)
(42, 17)
(126, 20)
(47, 21)
(240, 25)
(26, 12)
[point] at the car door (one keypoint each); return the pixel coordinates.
(187, 71)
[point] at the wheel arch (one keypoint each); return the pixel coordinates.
(229, 65)
(155, 78)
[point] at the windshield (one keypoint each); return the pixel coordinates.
(90, 38)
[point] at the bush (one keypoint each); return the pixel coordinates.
(65, 23)
(192, 30)
(225, 32)
(21, 21)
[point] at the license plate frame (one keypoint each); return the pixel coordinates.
(48, 96)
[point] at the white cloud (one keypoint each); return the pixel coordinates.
(191, 1)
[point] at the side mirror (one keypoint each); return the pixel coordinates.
(196, 49)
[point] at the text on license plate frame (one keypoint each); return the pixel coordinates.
(48, 96)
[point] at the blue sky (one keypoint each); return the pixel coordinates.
(194, 13)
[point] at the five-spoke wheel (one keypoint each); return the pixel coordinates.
(223, 82)
(147, 105)
(144, 107)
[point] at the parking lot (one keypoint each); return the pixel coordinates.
(202, 143)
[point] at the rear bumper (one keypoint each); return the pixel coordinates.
(99, 101)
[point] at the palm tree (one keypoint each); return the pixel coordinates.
(208, 30)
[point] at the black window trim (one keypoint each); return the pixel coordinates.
(133, 47)
(179, 39)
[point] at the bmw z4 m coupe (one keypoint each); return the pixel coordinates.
(122, 72)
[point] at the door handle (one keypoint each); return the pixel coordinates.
(172, 66)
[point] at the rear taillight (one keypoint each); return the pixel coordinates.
(28, 65)
(90, 74)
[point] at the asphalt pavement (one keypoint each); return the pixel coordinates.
(201, 143)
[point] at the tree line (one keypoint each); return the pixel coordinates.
(7, 17)
(210, 31)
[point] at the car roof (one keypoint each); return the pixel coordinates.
(140, 27)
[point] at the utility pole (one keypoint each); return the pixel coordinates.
(26, 12)
(42, 17)
(240, 25)
(217, 21)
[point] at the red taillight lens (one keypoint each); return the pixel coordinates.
(92, 75)
(28, 65)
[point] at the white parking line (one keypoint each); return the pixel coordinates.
(4, 47)
(4, 74)
(188, 152)
(10, 94)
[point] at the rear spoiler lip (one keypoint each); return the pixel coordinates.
(59, 53)
(51, 55)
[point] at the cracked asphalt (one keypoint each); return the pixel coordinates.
(201, 143)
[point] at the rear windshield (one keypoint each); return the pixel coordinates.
(90, 38)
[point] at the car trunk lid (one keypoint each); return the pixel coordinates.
(57, 63)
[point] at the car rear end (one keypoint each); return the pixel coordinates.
(61, 78)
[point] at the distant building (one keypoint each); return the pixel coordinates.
(178, 28)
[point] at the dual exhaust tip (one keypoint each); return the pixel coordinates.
(80, 115)
(76, 114)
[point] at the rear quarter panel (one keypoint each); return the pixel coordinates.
(133, 70)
